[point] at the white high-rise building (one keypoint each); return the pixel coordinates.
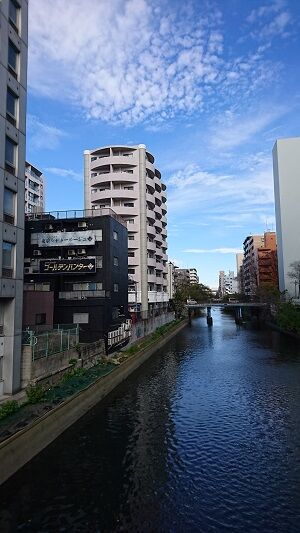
(34, 189)
(13, 77)
(286, 169)
(194, 278)
(125, 179)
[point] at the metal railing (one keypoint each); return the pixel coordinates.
(80, 213)
(50, 342)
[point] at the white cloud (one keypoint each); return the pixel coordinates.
(131, 61)
(65, 173)
(41, 135)
(214, 250)
(271, 20)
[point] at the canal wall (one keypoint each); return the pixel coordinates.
(144, 328)
(21, 447)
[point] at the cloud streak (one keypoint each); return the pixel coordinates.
(213, 250)
(65, 173)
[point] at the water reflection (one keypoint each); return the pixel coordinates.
(204, 437)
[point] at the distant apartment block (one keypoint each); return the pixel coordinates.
(228, 283)
(13, 76)
(286, 168)
(260, 262)
(194, 278)
(125, 179)
(34, 189)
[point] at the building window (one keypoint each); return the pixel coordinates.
(116, 287)
(9, 206)
(115, 235)
(131, 271)
(14, 14)
(88, 286)
(131, 237)
(130, 221)
(40, 319)
(80, 318)
(128, 204)
(99, 261)
(116, 261)
(10, 155)
(130, 254)
(7, 259)
(11, 106)
(13, 59)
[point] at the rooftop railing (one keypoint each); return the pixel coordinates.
(74, 214)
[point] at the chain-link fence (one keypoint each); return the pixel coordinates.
(51, 342)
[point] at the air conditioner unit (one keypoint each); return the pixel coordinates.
(28, 270)
(48, 226)
(82, 224)
(37, 252)
(81, 251)
(71, 252)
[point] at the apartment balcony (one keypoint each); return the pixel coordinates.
(159, 266)
(134, 228)
(164, 219)
(157, 185)
(150, 184)
(126, 160)
(151, 230)
(151, 246)
(124, 211)
(150, 166)
(158, 238)
(163, 231)
(152, 278)
(151, 262)
(158, 225)
(150, 200)
(164, 209)
(150, 214)
(133, 261)
(157, 297)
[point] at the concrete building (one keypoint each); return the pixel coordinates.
(34, 189)
(260, 262)
(194, 278)
(76, 272)
(125, 179)
(286, 165)
(13, 82)
(228, 283)
(171, 280)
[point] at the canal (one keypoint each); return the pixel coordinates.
(204, 437)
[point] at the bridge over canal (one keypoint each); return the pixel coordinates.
(237, 306)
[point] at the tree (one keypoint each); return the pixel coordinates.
(294, 274)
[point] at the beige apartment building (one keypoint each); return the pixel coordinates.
(34, 189)
(125, 179)
(260, 262)
(13, 81)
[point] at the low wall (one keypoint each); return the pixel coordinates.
(146, 327)
(48, 367)
(21, 447)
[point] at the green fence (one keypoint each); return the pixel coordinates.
(50, 342)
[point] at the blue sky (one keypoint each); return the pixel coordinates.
(207, 86)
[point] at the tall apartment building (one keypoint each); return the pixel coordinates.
(286, 165)
(194, 278)
(13, 81)
(34, 189)
(260, 262)
(125, 179)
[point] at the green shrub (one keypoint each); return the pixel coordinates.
(8, 408)
(35, 393)
(288, 317)
(73, 362)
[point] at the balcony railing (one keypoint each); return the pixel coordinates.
(80, 213)
(81, 295)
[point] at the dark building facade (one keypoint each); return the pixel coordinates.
(76, 271)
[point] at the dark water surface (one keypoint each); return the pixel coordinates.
(204, 437)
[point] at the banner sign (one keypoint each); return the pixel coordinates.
(67, 238)
(68, 266)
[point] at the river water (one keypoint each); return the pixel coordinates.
(204, 437)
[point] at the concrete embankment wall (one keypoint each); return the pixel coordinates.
(21, 447)
(146, 327)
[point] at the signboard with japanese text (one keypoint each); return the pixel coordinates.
(68, 266)
(67, 238)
